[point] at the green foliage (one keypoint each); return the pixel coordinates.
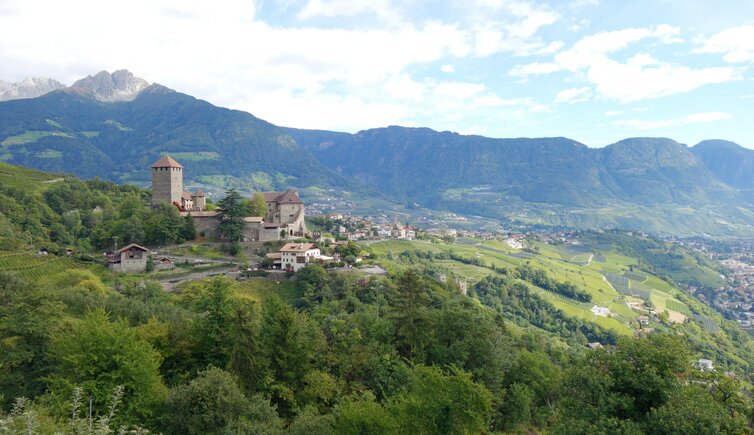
(443, 403)
(258, 205)
(232, 212)
(363, 415)
(383, 354)
(188, 231)
(212, 403)
(89, 215)
(98, 355)
(28, 319)
(516, 301)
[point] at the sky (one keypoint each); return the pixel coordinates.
(596, 71)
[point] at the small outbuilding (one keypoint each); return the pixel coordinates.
(129, 259)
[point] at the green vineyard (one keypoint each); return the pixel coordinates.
(33, 267)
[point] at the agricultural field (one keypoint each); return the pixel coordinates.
(33, 267)
(496, 255)
(611, 278)
(25, 179)
(49, 154)
(31, 137)
(195, 156)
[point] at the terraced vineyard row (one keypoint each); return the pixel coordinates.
(29, 266)
(616, 279)
(680, 307)
(708, 324)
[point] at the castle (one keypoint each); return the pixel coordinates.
(285, 210)
(167, 186)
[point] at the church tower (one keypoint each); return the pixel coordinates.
(167, 181)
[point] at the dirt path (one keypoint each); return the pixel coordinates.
(170, 283)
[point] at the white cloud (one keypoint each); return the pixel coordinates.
(534, 69)
(637, 78)
(448, 68)
(511, 26)
(736, 44)
(614, 113)
(347, 8)
(220, 52)
(574, 95)
(694, 118)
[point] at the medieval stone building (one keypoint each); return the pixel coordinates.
(167, 186)
(286, 211)
(284, 220)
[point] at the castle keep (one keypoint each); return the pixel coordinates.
(167, 186)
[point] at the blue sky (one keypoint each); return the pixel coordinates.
(595, 71)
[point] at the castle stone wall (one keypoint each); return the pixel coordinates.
(167, 185)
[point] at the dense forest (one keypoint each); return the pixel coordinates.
(398, 354)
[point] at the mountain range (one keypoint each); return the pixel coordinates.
(114, 125)
(31, 87)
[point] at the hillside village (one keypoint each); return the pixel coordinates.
(285, 221)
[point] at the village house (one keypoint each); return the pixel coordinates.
(704, 365)
(129, 259)
(295, 256)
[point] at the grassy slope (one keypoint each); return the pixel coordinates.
(25, 179)
(711, 335)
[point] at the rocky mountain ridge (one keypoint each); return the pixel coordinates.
(120, 85)
(30, 87)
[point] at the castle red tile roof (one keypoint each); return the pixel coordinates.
(166, 162)
(199, 193)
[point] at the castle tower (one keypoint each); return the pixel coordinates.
(167, 181)
(200, 202)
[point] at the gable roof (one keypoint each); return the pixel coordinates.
(288, 197)
(186, 195)
(298, 247)
(132, 245)
(166, 162)
(199, 193)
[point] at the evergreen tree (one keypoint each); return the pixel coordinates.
(188, 232)
(232, 212)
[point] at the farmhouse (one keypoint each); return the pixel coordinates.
(295, 256)
(131, 258)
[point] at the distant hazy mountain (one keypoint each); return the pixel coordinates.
(28, 88)
(422, 163)
(121, 85)
(729, 161)
(659, 170)
(651, 184)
